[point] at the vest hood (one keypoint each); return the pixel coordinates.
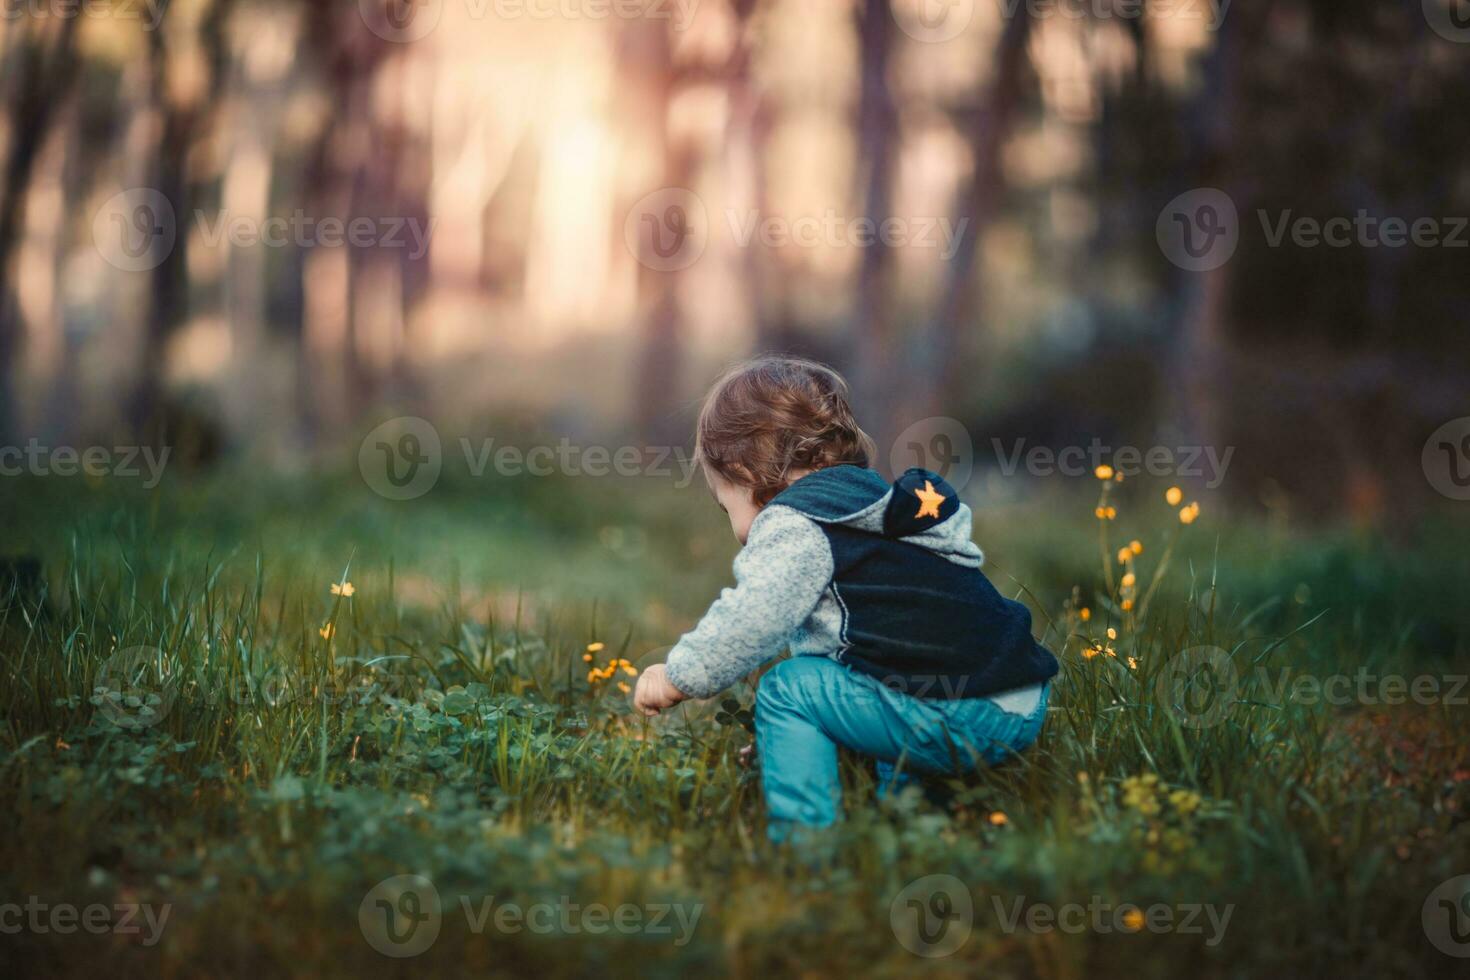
(919, 508)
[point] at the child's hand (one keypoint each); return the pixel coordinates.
(655, 692)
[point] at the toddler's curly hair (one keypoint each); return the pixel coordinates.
(776, 415)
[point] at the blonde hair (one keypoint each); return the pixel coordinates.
(774, 415)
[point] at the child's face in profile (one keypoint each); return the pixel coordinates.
(736, 501)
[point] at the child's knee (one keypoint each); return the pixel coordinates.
(784, 685)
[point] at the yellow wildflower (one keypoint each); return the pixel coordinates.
(1185, 801)
(1133, 920)
(1135, 546)
(1103, 472)
(1129, 579)
(1123, 555)
(343, 589)
(1085, 613)
(586, 658)
(1132, 663)
(629, 669)
(998, 819)
(1112, 633)
(1188, 514)
(596, 647)
(623, 686)
(1127, 604)
(1173, 495)
(327, 631)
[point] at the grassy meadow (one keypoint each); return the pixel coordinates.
(285, 742)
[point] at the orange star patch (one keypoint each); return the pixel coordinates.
(929, 501)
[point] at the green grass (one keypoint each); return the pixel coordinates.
(446, 729)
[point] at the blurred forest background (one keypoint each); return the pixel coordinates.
(522, 139)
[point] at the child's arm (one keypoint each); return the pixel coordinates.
(780, 576)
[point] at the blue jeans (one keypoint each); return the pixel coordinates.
(807, 706)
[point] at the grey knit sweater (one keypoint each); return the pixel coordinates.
(784, 598)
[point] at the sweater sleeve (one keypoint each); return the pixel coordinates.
(780, 576)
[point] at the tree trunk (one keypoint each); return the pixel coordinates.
(43, 79)
(877, 139)
(648, 65)
(181, 127)
(941, 357)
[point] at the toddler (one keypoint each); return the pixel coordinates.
(902, 650)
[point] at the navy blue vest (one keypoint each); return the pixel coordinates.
(920, 622)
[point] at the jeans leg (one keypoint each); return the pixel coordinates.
(808, 706)
(891, 779)
(804, 709)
